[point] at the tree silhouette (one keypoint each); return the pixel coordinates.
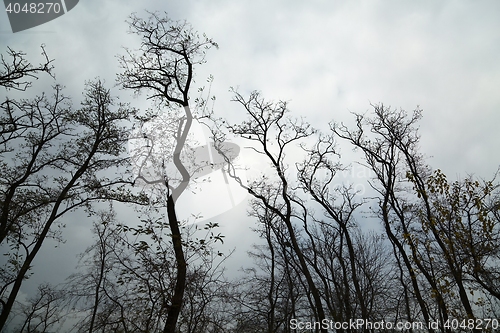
(163, 66)
(54, 160)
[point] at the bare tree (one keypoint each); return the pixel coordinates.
(442, 234)
(316, 176)
(383, 158)
(44, 312)
(18, 73)
(93, 290)
(350, 265)
(163, 66)
(54, 160)
(271, 292)
(127, 279)
(274, 133)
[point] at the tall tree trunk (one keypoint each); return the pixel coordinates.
(180, 283)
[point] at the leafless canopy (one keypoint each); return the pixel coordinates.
(164, 62)
(18, 72)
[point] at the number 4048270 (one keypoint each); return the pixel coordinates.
(33, 8)
(472, 324)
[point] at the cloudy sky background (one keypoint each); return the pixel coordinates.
(328, 58)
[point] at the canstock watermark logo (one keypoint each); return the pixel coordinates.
(28, 14)
(210, 190)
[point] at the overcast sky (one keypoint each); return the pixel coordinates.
(328, 58)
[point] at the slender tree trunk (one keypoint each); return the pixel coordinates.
(180, 283)
(102, 267)
(270, 293)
